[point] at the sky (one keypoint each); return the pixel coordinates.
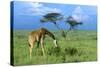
(27, 15)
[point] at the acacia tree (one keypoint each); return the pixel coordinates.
(53, 18)
(72, 22)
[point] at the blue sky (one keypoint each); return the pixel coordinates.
(27, 15)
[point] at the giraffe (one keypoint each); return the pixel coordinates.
(39, 36)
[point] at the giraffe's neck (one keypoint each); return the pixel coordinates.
(51, 35)
(46, 32)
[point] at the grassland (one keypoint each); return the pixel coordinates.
(80, 46)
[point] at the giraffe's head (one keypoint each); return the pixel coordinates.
(55, 43)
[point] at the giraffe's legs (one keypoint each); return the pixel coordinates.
(30, 49)
(42, 45)
(30, 52)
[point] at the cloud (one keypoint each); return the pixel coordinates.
(39, 9)
(79, 15)
(36, 5)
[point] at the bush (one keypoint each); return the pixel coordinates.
(54, 51)
(71, 51)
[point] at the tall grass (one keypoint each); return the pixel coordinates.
(77, 47)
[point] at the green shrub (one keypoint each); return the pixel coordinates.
(54, 51)
(71, 51)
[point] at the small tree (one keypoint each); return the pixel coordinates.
(53, 18)
(72, 22)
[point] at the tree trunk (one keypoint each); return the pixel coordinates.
(61, 30)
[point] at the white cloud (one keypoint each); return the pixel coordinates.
(36, 5)
(79, 15)
(39, 9)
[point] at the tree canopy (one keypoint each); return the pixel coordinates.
(52, 17)
(72, 22)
